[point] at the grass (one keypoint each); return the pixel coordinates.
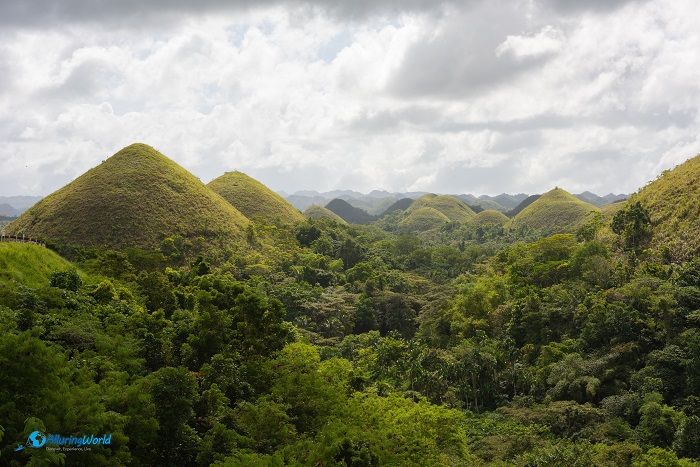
(424, 219)
(489, 217)
(673, 202)
(454, 209)
(254, 199)
(136, 198)
(319, 212)
(556, 211)
(28, 265)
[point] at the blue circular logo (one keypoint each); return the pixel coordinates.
(37, 439)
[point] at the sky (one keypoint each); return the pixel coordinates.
(469, 96)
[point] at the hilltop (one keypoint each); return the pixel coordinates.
(423, 219)
(348, 212)
(672, 202)
(556, 211)
(136, 198)
(488, 217)
(454, 209)
(319, 212)
(254, 199)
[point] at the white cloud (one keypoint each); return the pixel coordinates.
(547, 41)
(479, 96)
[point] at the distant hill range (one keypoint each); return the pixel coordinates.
(378, 202)
(138, 197)
(375, 203)
(15, 205)
(8, 211)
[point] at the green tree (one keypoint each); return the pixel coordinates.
(634, 225)
(174, 393)
(67, 280)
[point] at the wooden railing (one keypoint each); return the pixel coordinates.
(22, 239)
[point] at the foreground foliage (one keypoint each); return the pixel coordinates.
(320, 343)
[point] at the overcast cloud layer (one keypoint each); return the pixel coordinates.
(469, 96)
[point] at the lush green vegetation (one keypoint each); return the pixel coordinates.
(672, 203)
(323, 343)
(254, 199)
(136, 198)
(22, 264)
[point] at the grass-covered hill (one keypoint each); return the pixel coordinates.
(348, 212)
(522, 205)
(319, 212)
(488, 217)
(455, 210)
(423, 219)
(400, 205)
(136, 198)
(556, 211)
(673, 202)
(28, 265)
(254, 199)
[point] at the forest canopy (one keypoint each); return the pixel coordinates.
(317, 342)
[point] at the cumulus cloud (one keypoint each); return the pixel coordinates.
(478, 96)
(547, 41)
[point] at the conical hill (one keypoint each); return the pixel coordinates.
(319, 212)
(254, 199)
(489, 217)
(454, 209)
(673, 202)
(424, 219)
(556, 211)
(136, 198)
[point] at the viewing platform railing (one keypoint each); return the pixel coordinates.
(22, 239)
